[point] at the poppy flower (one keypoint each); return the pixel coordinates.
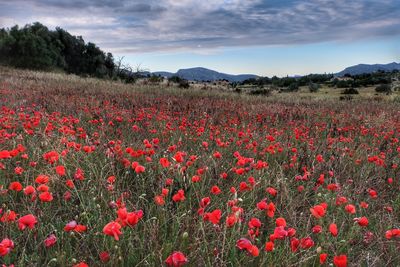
(8, 216)
(243, 243)
(159, 200)
(42, 188)
(51, 157)
(139, 169)
(269, 246)
(317, 229)
(280, 222)
(46, 197)
(254, 223)
(333, 229)
(15, 186)
(272, 191)
(271, 210)
(104, 256)
(50, 241)
(5, 154)
(340, 261)
(363, 221)
(350, 209)
(231, 220)
(262, 205)
(6, 245)
(70, 226)
(392, 233)
(113, 229)
(27, 221)
(322, 258)
(215, 190)
(179, 196)
(29, 190)
(129, 218)
(60, 170)
(42, 179)
(294, 244)
(318, 211)
(176, 259)
(81, 264)
(279, 233)
(214, 217)
(306, 243)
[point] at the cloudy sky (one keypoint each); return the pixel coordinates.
(265, 37)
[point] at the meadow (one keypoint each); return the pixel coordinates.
(100, 173)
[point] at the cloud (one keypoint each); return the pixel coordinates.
(191, 25)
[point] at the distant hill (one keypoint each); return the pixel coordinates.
(203, 74)
(367, 68)
(164, 74)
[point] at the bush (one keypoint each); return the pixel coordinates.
(293, 87)
(314, 87)
(350, 91)
(346, 97)
(184, 84)
(383, 88)
(260, 91)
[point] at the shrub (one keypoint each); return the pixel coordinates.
(314, 87)
(260, 91)
(350, 91)
(383, 88)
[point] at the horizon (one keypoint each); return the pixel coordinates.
(266, 38)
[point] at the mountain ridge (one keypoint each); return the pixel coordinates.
(368, 68)
(204, 74)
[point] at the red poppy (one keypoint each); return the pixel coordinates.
(46, 197)
(164, 162)
(306, 243)
(269, 246)
(15, 186)
(27, 221)
(363, 221)
(271, 210)
(350, 209)
(113, 229)
(104, 256)
(176, 259)
(6, 245)
(60, 170)
(318, 211)
(179, 196)
(42, 179)
(322, 258)
(214, 217)
(50, 241)
(29, 190)
(215, 190)
(333, 229)
(340, 261)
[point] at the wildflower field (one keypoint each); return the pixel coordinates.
(95, 173)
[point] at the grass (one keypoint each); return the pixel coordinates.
(102, 127)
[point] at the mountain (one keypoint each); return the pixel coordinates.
(203, 74)
(367, 68)
(164, 74)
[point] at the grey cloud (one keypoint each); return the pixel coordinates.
(145, 26)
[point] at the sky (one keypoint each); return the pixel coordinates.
(263, 37)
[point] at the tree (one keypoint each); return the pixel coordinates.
(313, 87)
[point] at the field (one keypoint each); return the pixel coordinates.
(102, 173)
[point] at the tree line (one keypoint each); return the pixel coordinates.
(36, 47)
(349, 81)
